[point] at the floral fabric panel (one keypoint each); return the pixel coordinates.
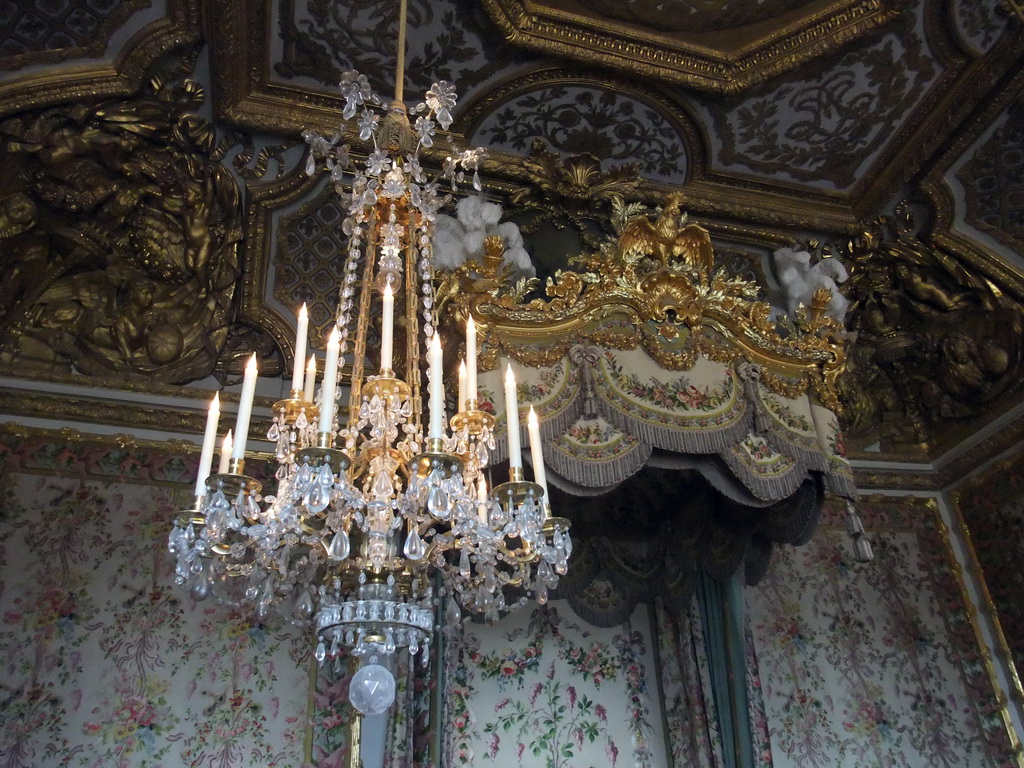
(542, 688)
(777, 475)
(877, 663)
(106, 662)
(603, 411)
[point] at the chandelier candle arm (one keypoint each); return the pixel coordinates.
(515, 448)
(245, 409)
(330, 382)
(307, 393)
(387, 332)
(471, 392)
(301, 334)
(225, 454)
(540, 475)
(436, 389)
(209, 444)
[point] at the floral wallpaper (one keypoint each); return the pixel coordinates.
(542, 688)
(106, 662)
(991, 504)
(873, 664)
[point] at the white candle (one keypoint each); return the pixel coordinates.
(330, 382)
(300, 349)
(471, 359)
(387, 331)
(436, 388)
(209, 444)
(515, 449)
(536, 451)
(462, 386)
(245, 408)
(307, 393)
(225, 454)
(482, 507)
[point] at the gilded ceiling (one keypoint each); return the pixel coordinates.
(155, 220)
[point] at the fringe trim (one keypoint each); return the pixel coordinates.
(771, 488)
(595, 473)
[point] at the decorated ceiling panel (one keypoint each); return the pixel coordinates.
(572, 117)
(42, 32)
(824, 129)
(981, 22)
(992, 180)
(314, 42)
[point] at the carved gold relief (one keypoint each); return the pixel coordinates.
(653, 285)
(120, 234)
(936, 343)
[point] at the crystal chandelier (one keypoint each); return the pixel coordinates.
(374, 516)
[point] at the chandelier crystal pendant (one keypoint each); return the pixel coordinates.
(375, 514)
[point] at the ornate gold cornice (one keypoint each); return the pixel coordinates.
(119, 440)
(121, 413)
(737, 61)
(894, 480)
(962, 465)
(941, 474)
(122, 76)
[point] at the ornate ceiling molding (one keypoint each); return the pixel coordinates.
(726, 62)
(179, 28)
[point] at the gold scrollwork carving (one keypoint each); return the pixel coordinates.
(654, 285)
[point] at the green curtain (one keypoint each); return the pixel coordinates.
(723, 621)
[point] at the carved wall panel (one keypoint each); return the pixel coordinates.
(42, 32)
